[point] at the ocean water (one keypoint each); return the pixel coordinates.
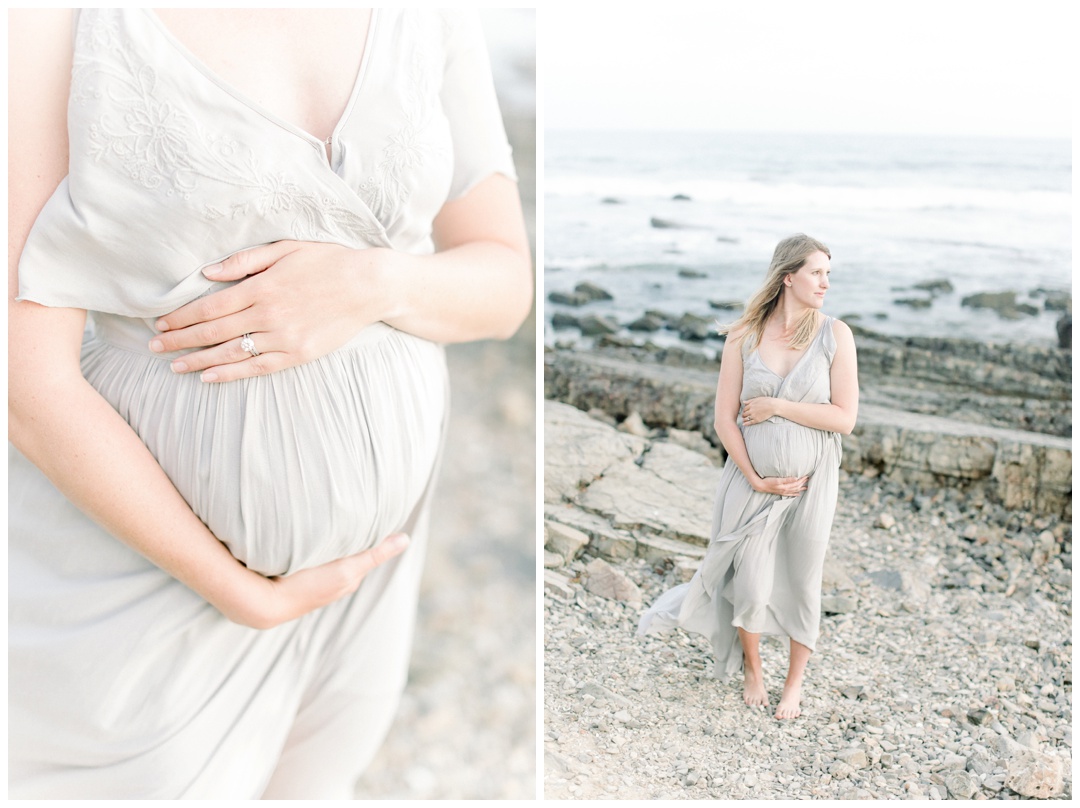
(988, 215)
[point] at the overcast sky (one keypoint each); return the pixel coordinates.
(948, 67)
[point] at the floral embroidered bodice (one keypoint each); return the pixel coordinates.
(171, 168)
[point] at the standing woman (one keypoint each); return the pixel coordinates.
(265, 221)
(788, 389)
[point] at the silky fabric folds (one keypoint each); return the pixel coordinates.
(124, 683)
(762, 569)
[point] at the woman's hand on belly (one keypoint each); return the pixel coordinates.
(756, 410)
(298, 301)
(283, 599)
(782, 486)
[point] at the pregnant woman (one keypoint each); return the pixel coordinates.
(790, 373)
(237, 238)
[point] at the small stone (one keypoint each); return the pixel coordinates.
(552, 560)
(633, 425)
(841, 770)
(623, 717)
(856, 758)
(691, 273)
(885, 521)
(980, 717)
(1034, 774)
(607, 582)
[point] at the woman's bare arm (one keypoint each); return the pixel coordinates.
(837, 416)
(61, 423)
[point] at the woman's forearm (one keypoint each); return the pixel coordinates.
(96, 460)
(828, 417)
(478, 290)
(731, 437)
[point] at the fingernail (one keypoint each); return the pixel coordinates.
(161, 325)
(400, 541)
(179, 367)
(209, 376)
(212, 270)
(157, 346)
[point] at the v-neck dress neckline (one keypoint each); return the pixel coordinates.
(799, 361)
(244, 99)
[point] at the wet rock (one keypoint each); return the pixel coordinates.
(695, 327)
(611, 200)
(569, 298)
(1004, 303)
(561, 319)
(647, 322)
(1055, 299)
(592, 292)
(608, 582)
(1064, 331)
(594, 324)
(692, 273)
(726, 305)
(935, 287)
(680, 198)
(914, 302)
(665, 224)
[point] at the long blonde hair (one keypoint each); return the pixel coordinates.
(788, 258)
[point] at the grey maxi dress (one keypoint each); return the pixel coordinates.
(122, 682)
(762, 569)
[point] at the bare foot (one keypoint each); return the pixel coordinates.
(789, 702)
(754, 690)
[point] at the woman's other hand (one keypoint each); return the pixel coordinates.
(756, 410)
(292, 596)
(298, 301)
(782, 486)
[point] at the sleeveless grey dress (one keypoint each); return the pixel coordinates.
(122, 682)
(762, 569)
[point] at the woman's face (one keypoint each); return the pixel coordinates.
(809, 283)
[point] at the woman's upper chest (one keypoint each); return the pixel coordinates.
(301, 66)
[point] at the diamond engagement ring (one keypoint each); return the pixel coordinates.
(248, 344)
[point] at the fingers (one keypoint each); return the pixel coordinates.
(223, 327)
(249, 262)
(212, 307)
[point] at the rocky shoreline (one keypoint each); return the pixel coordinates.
(944, 665)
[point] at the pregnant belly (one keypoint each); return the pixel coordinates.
(299, 467)
(783, 448)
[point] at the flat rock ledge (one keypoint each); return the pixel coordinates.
(1014, 468)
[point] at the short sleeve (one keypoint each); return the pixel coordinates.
(468, 98)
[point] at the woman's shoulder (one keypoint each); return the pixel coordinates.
(841, 331)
